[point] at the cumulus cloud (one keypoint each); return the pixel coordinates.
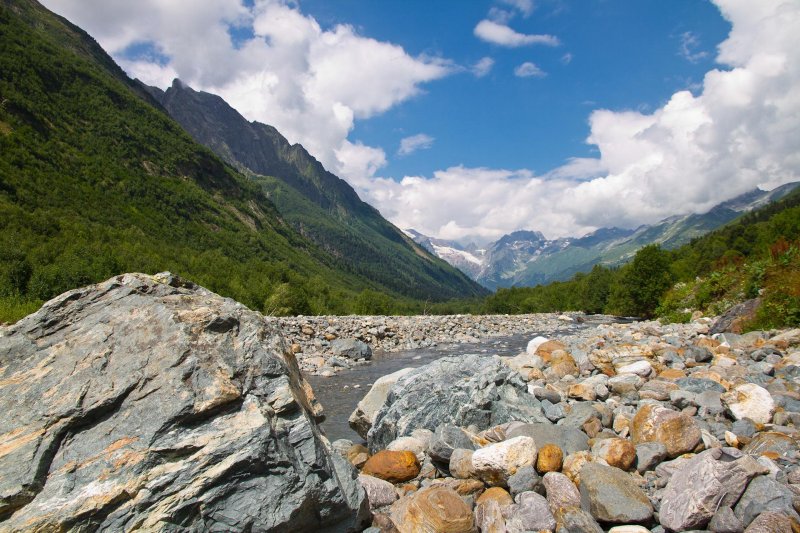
(482, 67)
(500, 34)
(529, 70)
(741, 131)
(409, 145)
(310, 83)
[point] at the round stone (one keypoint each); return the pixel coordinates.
(550, 459)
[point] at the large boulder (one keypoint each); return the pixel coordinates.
(363, 416)
(351, 348)
(611, 495)
(704, 483)
(461, 390)
(655, 423)
(146, 402)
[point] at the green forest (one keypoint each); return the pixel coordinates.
(756, 255)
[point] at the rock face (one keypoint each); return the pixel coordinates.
(463, 391)
(148, 402)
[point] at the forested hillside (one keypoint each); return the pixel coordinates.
(756, 255)
(323, 207)
(96, 181)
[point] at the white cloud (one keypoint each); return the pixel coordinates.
(566, 59)
(529, 70)
(690, 43)
(741, 131)
(523, 6)
(409, 145)
(500, 34)
(482, 67)
(310, 83)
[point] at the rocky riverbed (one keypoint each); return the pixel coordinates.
(638, 427)
(325, 345)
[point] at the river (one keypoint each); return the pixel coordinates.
(340, 393)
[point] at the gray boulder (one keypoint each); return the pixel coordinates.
(351, 349)
(703, 484)
(763, 494)
(460, 390)
(569, 439)
(611, 495)
(445, 439)
(146, 402)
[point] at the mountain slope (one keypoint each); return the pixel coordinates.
(95, 179)
(526, 258)
(321, 206)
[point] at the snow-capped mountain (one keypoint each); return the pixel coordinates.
(527, 258)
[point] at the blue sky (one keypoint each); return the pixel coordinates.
(471, 119)
(622, 54)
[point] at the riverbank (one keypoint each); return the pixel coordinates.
(639, 427)
(313, 338)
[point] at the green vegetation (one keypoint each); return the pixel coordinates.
(95, 181)
(758, 254)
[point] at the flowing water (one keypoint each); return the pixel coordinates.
(340, 393)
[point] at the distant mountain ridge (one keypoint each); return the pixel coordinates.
(526, 258)
(318, 204)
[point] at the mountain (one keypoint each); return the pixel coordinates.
(315, 202)
(467, 259)
(526, 258)
(96, 179)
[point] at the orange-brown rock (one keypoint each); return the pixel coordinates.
(433, 509)
(550, 459)
(707, 342)
(619, 453)
(672, 374)
(394, 467)
(561, 364)
(498, 494)
(573, 464)
(545, 350)
(655, 423)
(582, 391)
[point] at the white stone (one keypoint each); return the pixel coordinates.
(495, 463)
(640, 368)
(628, 529)
(410, 444)
(364, 415)
(535, 343)
(748, 400)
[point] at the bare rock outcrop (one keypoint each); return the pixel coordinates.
(146, 402)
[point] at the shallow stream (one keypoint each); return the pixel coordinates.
(340, 393)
